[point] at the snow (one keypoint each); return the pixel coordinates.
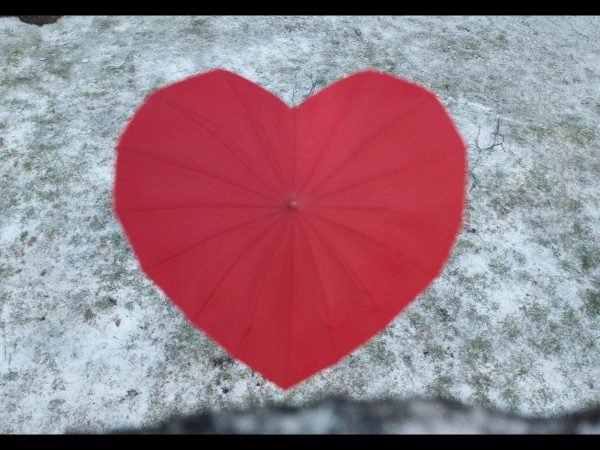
(510, 323)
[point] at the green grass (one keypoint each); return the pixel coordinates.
(592, 303)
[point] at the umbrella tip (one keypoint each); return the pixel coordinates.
(292, 204)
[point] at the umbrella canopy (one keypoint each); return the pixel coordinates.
(291, 236)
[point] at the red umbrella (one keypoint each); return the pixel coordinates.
(291, 236)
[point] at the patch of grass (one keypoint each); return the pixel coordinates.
(541, 132)
(480, 344)
(510, 396)
(482, 382)
(440, 387)
(501, 41)
(76, 239)
(578, 135)
(59, 67)
(550, 342)
(197, 24)
(436, 351)
(477, 350)
(58, 385)
(12, 375)
(592, 303)
(117, 240)
(28, 165)
(536, 312)
(98, 222)
(102, 304)
(7, 271)
(15, 56)
(55, 404)
(511, 330)
(481, 399)
(49, 195)
(505, 202)
(103, 23)
(522, 370)
(541, 396)
(465, 243)
(588, 259)
(499, 267)
(477, 318)
(379, 353)
(189, 334)
(416, 320)
(569, 317)
(157, 412)
(522, 276)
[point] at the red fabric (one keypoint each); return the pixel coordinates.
(291, 236)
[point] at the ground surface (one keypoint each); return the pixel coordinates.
(338, 415)
(513, 322)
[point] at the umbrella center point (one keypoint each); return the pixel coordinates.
(292, 204)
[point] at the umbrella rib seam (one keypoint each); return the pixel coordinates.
(264, 233)
(261, 138)
(184, 207)
(334, 130)
(368, 180)
(139, 154)
(346, 269)
(294, 113)
(363, 144)
(328, 323)
(216, 136)
(290, 309)
(208, 238)
(383, 246)
(256, 293)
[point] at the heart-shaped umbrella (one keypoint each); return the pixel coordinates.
(291, 235)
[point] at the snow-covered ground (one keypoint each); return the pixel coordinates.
(87, 342)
